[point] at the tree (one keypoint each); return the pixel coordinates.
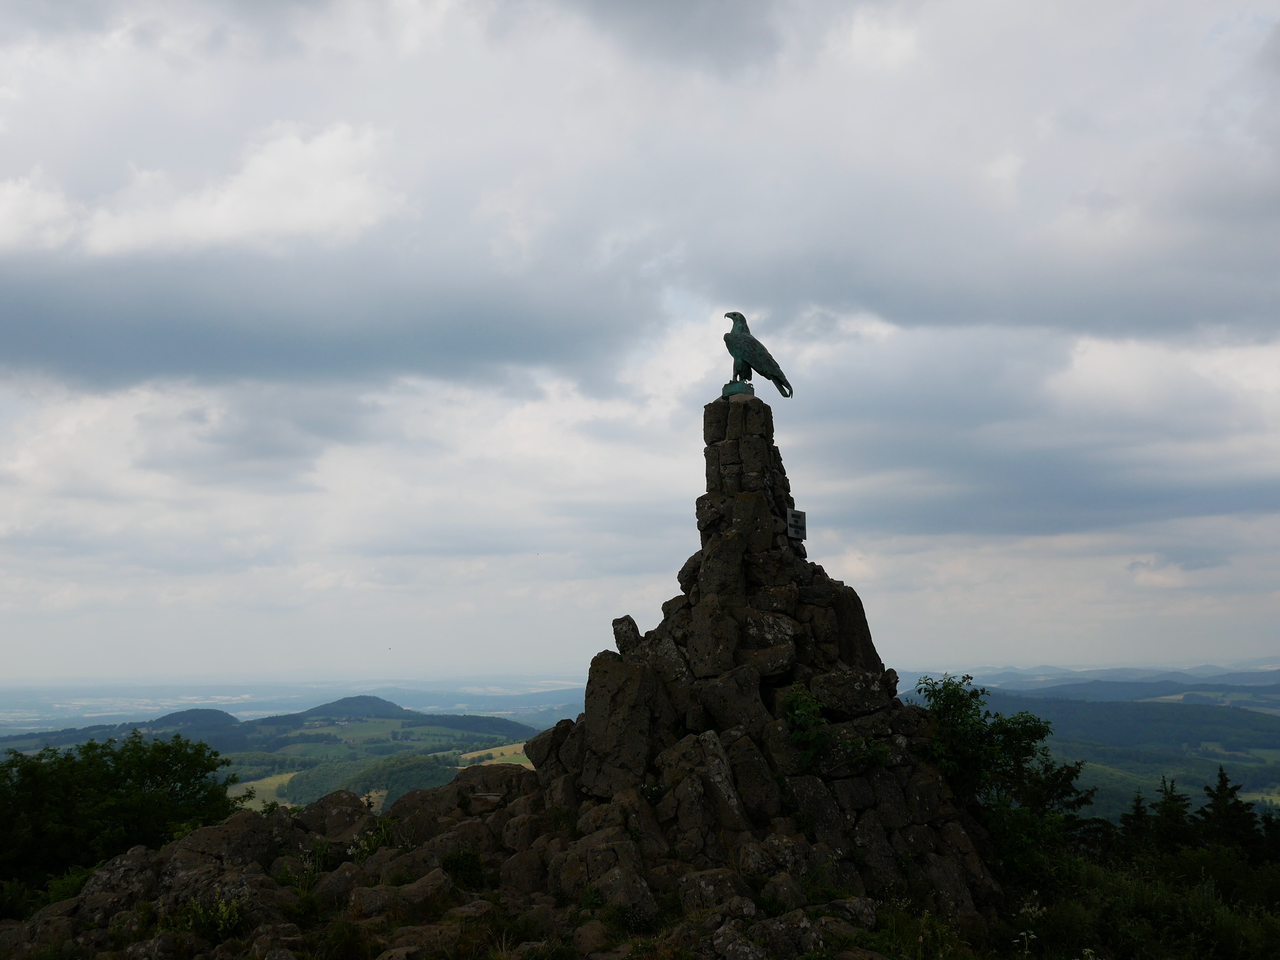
(1135, 825)
(1001, 768)
(992, 759)
(75, 808)
(1171, 825)
(1226, 819)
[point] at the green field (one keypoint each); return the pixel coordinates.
(364, 744)
(264, 790)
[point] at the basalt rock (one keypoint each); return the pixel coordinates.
(693, 713)
(682, 787)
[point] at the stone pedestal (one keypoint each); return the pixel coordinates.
(686, 724)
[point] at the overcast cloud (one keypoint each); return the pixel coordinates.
(370, 338)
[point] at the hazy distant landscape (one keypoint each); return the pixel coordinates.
(1131, 726)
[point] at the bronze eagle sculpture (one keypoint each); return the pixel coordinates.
(749, 354)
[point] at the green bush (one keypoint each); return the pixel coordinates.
(62, 812)
(219, 921)
(806, 727)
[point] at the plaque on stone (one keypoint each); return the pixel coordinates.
(795, 524)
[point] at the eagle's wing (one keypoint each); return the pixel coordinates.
(745, 347)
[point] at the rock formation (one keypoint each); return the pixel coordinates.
(685, 737)
(745, 766)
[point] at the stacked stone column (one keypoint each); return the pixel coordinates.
(687, 721)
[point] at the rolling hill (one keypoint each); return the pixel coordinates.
(365, 744)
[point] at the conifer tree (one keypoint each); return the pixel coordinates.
(1135, 825)
(1171, 823)
(1226, 819)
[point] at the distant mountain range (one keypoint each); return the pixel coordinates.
(32, 709)
(1043, 677)
(228, 734)
(1111, 690)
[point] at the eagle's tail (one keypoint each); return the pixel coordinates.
(784, 387)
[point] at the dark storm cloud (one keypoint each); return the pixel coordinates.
(725, 35)
(957, 431)
(723, 200)
(350, 313)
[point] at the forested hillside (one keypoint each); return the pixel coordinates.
(1129, 746)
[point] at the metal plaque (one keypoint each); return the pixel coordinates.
(795, 524)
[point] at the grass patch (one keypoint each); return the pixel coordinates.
(216, 922)
(467, 869)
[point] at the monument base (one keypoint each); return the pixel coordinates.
(738, 386)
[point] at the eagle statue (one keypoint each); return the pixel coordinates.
(749, 354)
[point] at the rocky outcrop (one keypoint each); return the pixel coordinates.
(743, 783)
(692, 717)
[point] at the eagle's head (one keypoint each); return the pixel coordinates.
(737, 319)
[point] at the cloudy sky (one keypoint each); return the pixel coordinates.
(369, 339)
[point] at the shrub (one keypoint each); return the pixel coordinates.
(219, 921)
(806, 727)
(67, 810)
(466, 868)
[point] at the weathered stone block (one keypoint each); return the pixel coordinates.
(626, 635)
(335, 888)
(890, 803)
(713, 638)
(880, 871)
(771, 661)
(913, 840)
(722, 571)
(688, 574)
(520, 831)
(627, 717)
(544, 751)
(372, 901)
(432, 888)
(854, 794)
(712, 457)
(784, 888)
(715, 418)
(734, 700)
(625, 888)
(773, 568)
(338, 816)
(755, 454)
(718, 779)
(756, 787)
(926, 794)
(850, 693)
(761, 629)
(778, 748)
(708, 889)
(829, 825)
(592, 937)
(950, 889)
(733, 429)
(779, 599)
(758, 419)
(788, 936)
